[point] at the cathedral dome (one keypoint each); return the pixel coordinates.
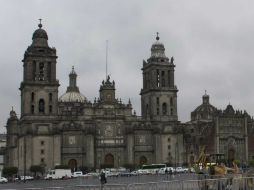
(40, 37)
(158, 50)
(72, 94)
(40, 33)
(205, 111)
(72, 97)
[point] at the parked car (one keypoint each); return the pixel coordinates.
(77, 174)
(125, 174)
(171, 169)
(91, 175)
(162, 171)
(3, 180)
(26, 178)
(134, 173)
(186, 170)
(179, 170)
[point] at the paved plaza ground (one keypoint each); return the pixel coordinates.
(82, 183)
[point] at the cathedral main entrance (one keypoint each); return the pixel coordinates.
(72, 165)
(142, 160)
(231, 155)
(109, 160)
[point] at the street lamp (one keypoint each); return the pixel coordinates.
(24, 158)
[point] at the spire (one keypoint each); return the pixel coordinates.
(12, 112)
(40, 25)
(72, 81)
(106, 59)
(205, 98)
(157, 37)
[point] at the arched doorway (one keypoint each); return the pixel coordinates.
(109, 161)
(231, 155)
(72, 165)
(142, 160)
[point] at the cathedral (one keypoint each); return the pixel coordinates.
(71, 130)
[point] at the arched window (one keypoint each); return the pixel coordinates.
(32, 96)
(41, 106)
(163, 79)
(171, 111)
(50, 97)
(50, 109)
(158, 78)
(164, 108)
(34, 70)
(41, 71)
(157, 100)
(32, 109)
(171, 101)
(49, 71)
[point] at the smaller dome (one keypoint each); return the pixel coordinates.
(72, 97)
(205, 111)
(157, 49)
(40, 37)
(40, 33)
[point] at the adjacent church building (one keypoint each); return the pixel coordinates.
(71, 130)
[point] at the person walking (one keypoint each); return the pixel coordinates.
(103, 179)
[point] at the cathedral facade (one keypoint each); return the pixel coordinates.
(226, 133)
(71, 130)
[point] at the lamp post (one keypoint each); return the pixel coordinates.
(24, 158)
(175, 154)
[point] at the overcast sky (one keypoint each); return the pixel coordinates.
(212, 43)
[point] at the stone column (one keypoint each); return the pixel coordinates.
(56, 150)
(90, 158)
(171, 82)
(246, 139)
(217, 136)
(157, 148)
(130, 149)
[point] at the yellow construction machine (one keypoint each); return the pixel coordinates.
(212, 164)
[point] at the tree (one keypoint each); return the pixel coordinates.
(10, 171)
(36, 169)
(237, 162)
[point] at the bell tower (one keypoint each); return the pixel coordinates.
(159, 93)
(39, 88)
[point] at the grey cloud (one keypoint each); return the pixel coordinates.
(212, 42)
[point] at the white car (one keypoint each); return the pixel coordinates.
(77, 174)
(134, 173)
(179, 170)
(91, 175)
(3, 180)
(162, 170)
(26, 177)
(171, 169)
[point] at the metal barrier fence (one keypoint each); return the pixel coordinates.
(200, 183)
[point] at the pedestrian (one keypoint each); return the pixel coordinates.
(166, 172)
(103, 179)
